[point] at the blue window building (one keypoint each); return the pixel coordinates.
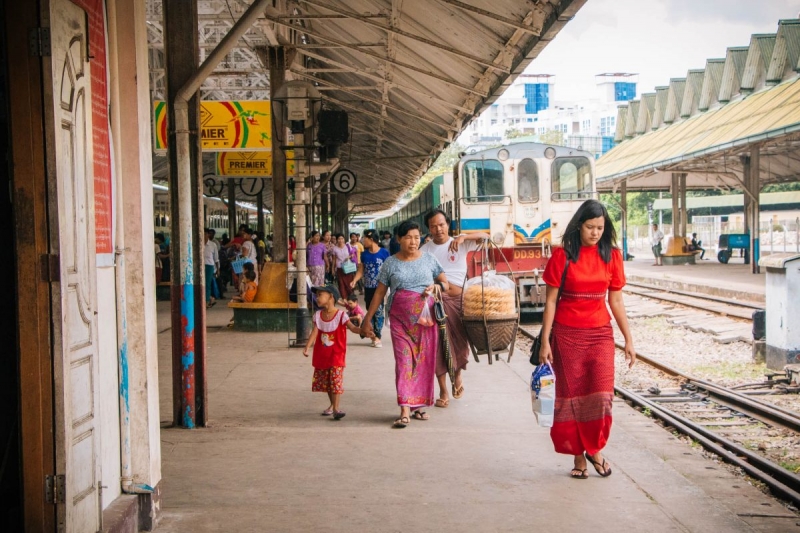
(537, 97)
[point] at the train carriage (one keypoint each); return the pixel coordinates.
(522, 195)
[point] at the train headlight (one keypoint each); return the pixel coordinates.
(502, 155)
(498, 238)
(550, 152)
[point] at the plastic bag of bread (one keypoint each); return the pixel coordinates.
(490, 294)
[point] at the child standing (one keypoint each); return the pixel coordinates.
(329, 340)
(354, 310)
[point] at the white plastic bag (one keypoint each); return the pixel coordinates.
(425, 318)
(543, 394)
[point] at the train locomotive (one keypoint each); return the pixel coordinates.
(522, 195)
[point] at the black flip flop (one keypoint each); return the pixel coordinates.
(401, 422)
(584, 474)
(597, 466)
(420, 415)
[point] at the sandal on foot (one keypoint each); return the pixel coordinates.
(441, 403)
(338, 415)
(577, 473)
(606, 469)
(458, 392)
(420, 415)
(401, 422)
(327, 412)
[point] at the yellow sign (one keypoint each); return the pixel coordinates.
(234, 125)
(249, 164)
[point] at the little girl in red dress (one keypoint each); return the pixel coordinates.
(329, 340)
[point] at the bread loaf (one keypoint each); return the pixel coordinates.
(492, 301)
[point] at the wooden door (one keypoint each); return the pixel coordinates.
(74, 296)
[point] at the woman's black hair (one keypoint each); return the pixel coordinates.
(372, 235)
(404, 227)
(315, 232)
(337, 235)
(433, 213)
(571, 241)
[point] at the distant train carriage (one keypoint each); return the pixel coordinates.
(522, 195)
(215, 213)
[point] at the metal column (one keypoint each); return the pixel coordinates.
(324, 199)
(260, 211)
(684, 210)
(181, 53)
(276, 58)
(754, 185)
(676, 215)
(233, 227)
(623, 203)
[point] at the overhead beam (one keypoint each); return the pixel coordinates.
(378, 78)
(365, 98)
(498, 18)
(379, 57)
(407, 35)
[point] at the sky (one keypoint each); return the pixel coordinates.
(657, 39)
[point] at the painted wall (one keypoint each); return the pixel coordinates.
(109, 389)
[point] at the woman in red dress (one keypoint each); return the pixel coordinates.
(577, 338)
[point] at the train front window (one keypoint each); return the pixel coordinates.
(527, 181)
(483, 181)
(572, 178)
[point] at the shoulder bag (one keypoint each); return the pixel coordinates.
(537, 341)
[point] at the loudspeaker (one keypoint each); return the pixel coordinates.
(332, 127)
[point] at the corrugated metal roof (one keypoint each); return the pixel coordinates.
(411, 75)
(646, 108)
(732, 74)
(784, 41)
(772, 111)
(758, 59)
(677, 86)
(709, 94)
(766, 199)
(660, 107)
(691, 96)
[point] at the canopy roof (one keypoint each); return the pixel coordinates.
(701, 124)
(411, 75)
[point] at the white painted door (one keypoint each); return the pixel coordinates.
(75, 323)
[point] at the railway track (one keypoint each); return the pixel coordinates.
(706, 302)
(727, 422)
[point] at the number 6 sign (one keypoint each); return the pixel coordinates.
(344, 180)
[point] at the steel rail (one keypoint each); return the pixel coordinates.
(773, 413)
(781, 481)
(699, 296)
(776, 414)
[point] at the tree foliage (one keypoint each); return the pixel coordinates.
(554, 137)
(514, 133)
(444, 163)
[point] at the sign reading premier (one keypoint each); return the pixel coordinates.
(224, 125)
(248, 164)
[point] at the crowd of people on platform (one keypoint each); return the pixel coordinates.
(577, 337)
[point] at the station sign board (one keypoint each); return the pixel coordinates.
(249, 164)
(224, 125)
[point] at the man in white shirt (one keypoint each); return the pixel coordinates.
(452, 255)
(211, 262)
(655, 242)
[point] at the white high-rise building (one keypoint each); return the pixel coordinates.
(529, 108)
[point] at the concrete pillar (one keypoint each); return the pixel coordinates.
(623, 193)
(676, 215)
(746, 181)
(277, 62)
(138, 345)
(188, 299)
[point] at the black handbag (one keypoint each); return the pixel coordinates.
(537, 341)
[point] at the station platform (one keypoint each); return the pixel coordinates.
(270, 462)
(732, 281)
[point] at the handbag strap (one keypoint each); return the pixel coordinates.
(563, 278)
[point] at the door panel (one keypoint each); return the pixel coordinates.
(75, 351)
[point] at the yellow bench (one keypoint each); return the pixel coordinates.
(677, 252)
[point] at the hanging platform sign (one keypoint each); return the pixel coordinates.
(249, 164)
(233, 125)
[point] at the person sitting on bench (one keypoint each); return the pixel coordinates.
(697, 245)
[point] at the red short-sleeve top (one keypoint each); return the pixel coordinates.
(583, 298)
